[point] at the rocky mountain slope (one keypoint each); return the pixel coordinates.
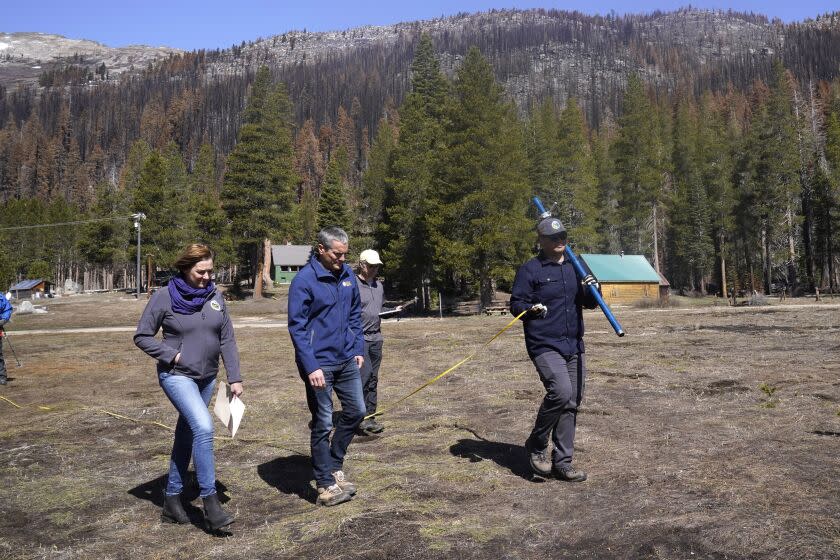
(25, 56)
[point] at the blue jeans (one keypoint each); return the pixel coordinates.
(193, 432)
(328, 457)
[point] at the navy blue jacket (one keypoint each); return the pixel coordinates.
(200, 337)
(325, 317)
(5, 308)
(556, 286)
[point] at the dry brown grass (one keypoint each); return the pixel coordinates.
(685, 458)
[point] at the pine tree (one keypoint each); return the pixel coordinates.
(541, 144)
(106, 244)
(607, 191)
(638, 164)
(689, 213)
(404, 233)
(576, 176)
(827, 201)
(332, 204)
(715, 163)
(777, 179)
(480, 230)
(211, 222)
(166, 229)
(375, 184)
(258, 192)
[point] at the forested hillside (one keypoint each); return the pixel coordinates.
(709, 142)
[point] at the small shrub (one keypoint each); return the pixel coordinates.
(769, 391)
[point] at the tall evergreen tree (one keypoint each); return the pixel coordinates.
(689, 212)
(777, 178)
(375, 184)
(165, 230)
(211, 222)
(541, 145)
(576, 178)
(480, 230)
(714, 153)
(332, 204)
(638, 164)
(404, 233)
(258, 192)
(106, 244)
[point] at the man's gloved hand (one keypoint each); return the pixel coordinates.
(539, 310)
(3, 322)
(590, 280)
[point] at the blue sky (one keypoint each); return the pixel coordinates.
(191, 24)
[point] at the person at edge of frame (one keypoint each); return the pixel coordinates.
(196, 330)
(548, 288)
(326, 330)
(5, 315)
(372, 296)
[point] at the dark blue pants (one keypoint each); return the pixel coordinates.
(328, 456)
(563, 378)
(370, 373)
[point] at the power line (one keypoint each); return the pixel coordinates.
(77, 222)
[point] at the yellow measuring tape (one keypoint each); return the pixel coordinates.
(275, 443)
(378, 413)
(453, 368)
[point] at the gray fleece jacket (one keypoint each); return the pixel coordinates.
(199, 337)
(372, 296)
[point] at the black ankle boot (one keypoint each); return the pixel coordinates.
(173, 510)
(214, 515)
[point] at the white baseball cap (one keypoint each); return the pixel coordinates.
(370, 256)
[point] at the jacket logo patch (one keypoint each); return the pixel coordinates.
(347, 283)
(215, 305)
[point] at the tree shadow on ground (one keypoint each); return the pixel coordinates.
(290, 475)
(153, 492)
(510, 456)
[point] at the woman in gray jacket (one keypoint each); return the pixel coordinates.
(196, 330)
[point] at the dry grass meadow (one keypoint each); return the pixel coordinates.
(708, 432)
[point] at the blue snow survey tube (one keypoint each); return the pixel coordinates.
(582, 273)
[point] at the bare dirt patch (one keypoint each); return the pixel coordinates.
(706, 433)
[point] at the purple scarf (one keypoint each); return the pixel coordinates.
(186, 299)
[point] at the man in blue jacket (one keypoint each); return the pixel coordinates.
(548, 288)
(5, 315)
(326, 330)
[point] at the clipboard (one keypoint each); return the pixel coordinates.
(402, 307)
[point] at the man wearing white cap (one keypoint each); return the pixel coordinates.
(372, 296)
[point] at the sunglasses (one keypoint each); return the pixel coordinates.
(556, 237)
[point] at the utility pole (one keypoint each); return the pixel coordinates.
(137, 218)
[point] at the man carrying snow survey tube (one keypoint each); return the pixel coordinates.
(549, 289)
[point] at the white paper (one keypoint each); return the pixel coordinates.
(237, 410)
(229, 409)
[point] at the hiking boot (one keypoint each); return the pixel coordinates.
(332, 496)
(540, 463)
(214, 515)
(569, 474)
(364, 427)
(369, 426)
(173, 510)
(343, 483)
(375, 427)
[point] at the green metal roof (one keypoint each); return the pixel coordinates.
(618, 268)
